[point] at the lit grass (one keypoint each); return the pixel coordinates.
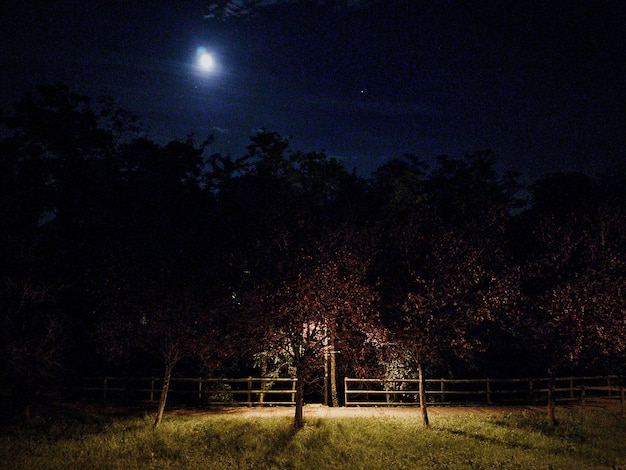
(584, 439)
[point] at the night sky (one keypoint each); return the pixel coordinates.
(542, 83)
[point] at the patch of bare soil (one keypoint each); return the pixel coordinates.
(320, 411)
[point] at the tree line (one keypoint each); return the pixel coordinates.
(121, 254)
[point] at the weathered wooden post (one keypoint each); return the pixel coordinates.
(386, 387)
(551, 398)
(571, 387)
(488, 391)
(442, 387)
(582, 394)
(326, 384)
(249, 391)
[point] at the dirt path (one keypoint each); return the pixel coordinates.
(320, 411)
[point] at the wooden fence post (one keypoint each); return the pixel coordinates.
(362, 394)
(582, 394)
(249, 391)
(385, 387)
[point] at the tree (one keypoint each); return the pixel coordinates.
(448, 258)
(320, 301)
(573, 275)
(58, 195)
(161, 277)
(399, 210)
(272, 205)
(49, 136)
(31, 340)
(169, 326)
(450, 302)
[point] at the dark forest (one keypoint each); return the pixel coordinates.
(120, 255)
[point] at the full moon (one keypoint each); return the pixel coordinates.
(206, 61)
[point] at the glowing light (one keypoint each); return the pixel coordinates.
(205, 60)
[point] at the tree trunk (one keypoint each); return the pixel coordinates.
(166, 386)
(551, 403)
(263, 375)
(299, 421)
(423, 404)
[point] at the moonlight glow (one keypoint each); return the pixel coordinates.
(205, 59)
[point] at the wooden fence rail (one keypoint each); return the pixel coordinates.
(259, 391)
(248, 391)
(399, 392)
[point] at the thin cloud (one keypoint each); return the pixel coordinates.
(240, 8)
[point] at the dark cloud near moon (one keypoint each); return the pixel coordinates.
(241, 8)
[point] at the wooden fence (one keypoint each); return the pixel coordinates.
(256, 391)
(198, 390)
(398, 392)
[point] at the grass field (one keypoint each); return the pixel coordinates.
(77, 438)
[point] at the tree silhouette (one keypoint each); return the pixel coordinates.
(283, 254)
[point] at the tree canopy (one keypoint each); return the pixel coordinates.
(115, 248)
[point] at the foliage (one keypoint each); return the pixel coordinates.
(158, 252)
(322, 305)
(572, 280)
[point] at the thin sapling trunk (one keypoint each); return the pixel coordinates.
(423, 404)
(166, 386)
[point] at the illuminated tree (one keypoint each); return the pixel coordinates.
(318, 303)
(443, 240)
(450, 304)
(572, 312)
